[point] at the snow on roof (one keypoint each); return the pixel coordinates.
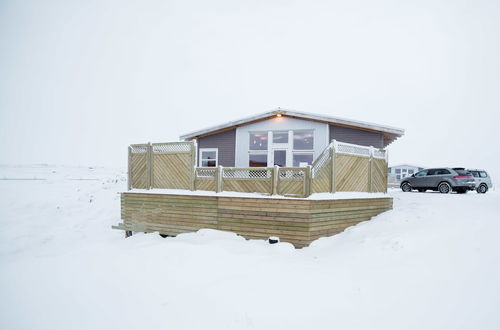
(393, 131)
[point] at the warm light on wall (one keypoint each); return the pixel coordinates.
(278, 115)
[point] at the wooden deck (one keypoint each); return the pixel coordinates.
(297, 221)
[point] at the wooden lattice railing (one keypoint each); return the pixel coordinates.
(340, 167)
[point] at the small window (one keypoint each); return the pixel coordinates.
(303, 140)
(483, 174)
(410, 172)
(475, 174)
(257, 160)
(398, 171)
(301, 160)
(208, 157)
(398, 177)
(421, 173)
(404, 170)
(442, 171)
(280, 137)
(258, 141)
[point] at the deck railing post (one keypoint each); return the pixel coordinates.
(218, 179)
(386, 158)
(307, 181)
(333, 165)
(275, 178)
(129, 174)
(193, 166)
(149, 166)
(370, 166)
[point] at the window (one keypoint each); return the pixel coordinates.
(483, 174)
(280, 137)
(404, 170)
(257, 160)
(442, 171)
(302, 159)
(280, 158)
(421, 173)
(208, 157)
(398, 177)
(303, 140)
(258, 141)
(475, 174)
(463, 172)
(398, 171)
(410, 172)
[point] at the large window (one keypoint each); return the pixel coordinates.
(303, 140)
(208, 157)
(258, 141)
(257, 160)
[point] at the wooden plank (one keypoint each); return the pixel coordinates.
(296, 221)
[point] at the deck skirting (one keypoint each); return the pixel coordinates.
(297, 221)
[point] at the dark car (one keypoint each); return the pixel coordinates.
(444, 180)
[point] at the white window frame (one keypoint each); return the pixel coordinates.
(216, 156)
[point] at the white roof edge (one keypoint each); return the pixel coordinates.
(398, 165)
(304, 115)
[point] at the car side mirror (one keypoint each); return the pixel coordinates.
(413, 175)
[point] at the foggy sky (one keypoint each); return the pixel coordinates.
(80, 80)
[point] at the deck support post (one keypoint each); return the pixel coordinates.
(128, 233)
(275, 178)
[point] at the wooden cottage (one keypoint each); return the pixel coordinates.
(255, 177)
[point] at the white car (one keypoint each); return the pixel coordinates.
(483, 180)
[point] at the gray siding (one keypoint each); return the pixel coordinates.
(225, 141)
(356, 136)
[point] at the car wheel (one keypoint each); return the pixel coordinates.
(444, 188)
(482, 189)
(406, 187)
(422, 190)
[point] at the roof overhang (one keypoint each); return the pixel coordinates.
(390, 133)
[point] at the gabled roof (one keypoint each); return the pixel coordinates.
(390, 133)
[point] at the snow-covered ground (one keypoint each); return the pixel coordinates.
(431, 263)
